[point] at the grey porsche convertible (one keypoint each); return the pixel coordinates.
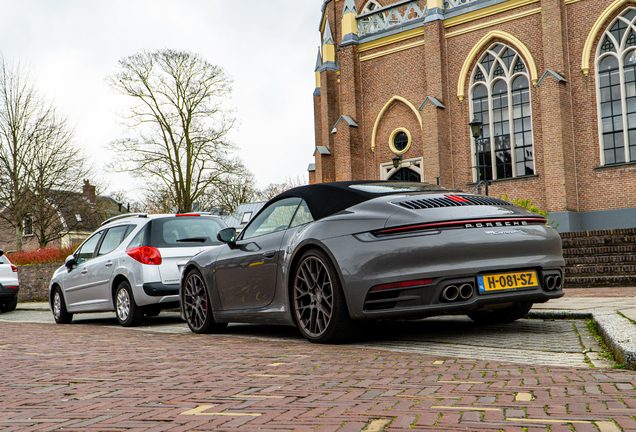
(326, 257)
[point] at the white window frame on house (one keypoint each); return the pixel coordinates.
(29, 224)
(520, 140)
(621, 50)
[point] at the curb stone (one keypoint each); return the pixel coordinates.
(618, 333)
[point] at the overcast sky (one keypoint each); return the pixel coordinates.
(268, 47)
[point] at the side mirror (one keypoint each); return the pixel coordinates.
(227, 235)
(70, 262)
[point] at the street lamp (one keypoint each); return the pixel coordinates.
(396, 161)
(475, 127)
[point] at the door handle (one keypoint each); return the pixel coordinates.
(269, 254)
(109, 263)
(84, 271)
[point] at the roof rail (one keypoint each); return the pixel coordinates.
(127, 215)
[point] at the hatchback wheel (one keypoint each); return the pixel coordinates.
(128, 313)
(319, 304)
(197, 307)
(9, 305)
(59, 308)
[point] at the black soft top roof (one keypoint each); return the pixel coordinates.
(326, 199)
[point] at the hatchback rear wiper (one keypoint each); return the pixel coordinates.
(193, 239)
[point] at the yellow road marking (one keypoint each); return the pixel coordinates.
(523, 397)
(276, 364)
(257, 397)
(377, 425)
(438, 362)
(467, 408)
(547, 420)
(199, 411)
(269, 376)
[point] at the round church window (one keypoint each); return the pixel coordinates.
(400, 141)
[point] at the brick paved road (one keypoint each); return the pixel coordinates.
(105, 378)
(535, 342)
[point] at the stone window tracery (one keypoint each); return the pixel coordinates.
(500, 99)
(616, 90)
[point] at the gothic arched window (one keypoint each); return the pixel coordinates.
(500, 99)
(616, 78)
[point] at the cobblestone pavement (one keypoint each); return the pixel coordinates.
(104, 378)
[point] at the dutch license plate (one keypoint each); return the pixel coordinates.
(507, 281)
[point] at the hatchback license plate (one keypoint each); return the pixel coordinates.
(507, 281)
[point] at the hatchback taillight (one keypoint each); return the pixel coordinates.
(145, 255)
(13, 267)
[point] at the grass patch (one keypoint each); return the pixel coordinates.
(606, 353)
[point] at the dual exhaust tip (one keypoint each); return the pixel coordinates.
(453, 292)
(553, 282)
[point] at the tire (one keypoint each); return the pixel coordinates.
(128, 313)
(9, 305)
(197, 307)
(58, 307)
(500, 316)
(318, 301)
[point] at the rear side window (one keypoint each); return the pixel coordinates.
(185, 231)
(3, 260)
(141, 238)
(113, 238)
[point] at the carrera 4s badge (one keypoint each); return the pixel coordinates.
(504, 232)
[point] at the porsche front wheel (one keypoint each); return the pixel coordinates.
(197, 307)
(319, 304)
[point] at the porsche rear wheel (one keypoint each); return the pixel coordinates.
(197, 307)
(319, 304)
(500, 316)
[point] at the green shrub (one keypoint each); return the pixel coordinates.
(527, 204)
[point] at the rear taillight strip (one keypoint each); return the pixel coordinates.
(474, 223)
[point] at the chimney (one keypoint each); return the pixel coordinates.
(88, 191)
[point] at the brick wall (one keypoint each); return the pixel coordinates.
(564, 115)
(34, 281)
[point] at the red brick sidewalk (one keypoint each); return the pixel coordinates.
(110, 379)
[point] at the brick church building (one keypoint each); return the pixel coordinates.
(549, 84)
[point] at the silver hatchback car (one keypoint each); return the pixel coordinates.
(131, 265)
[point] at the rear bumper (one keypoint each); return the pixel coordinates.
(157, 289)
(9, 292)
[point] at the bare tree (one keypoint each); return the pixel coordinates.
(37, 156)
(180, 125)
(231, 192)
(273, 189)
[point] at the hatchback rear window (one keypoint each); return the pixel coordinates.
(185, 231)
